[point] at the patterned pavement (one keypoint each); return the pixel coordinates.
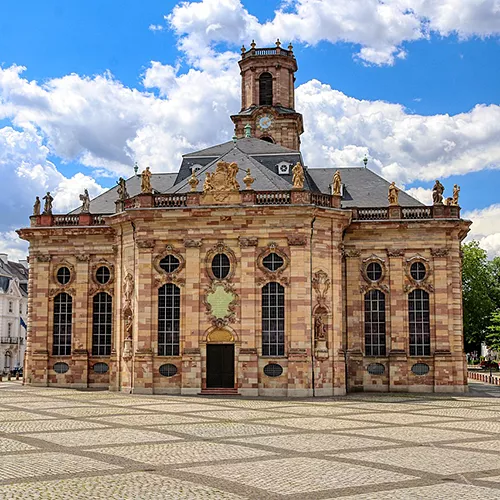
(66, 444)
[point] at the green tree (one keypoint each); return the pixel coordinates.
(479, 293)
(493, 335)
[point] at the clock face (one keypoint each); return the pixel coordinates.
(265, 121)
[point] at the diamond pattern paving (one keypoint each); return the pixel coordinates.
(64, 444)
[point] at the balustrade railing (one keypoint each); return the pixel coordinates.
(372, 213)
(98, 220)
(273, 198)
(417, 212)
(170, 200)
(65, 220)
(321, 200)
(11, 340)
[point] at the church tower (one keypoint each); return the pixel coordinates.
(268, 96)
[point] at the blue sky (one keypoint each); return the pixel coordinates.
(403, 88)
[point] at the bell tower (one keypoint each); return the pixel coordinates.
(268, 96)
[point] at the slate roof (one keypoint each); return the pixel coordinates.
(280, 109)
(105, 202)
(10, 270)
(362, 187)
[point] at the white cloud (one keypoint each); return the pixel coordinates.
(421, 194)
(379, 28)
(13, 246)
(486, 228)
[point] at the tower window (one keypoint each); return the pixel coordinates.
(266, 89)
(63, 310)
(419, 321)
(102, 324)
(273, 319)
(169, 314)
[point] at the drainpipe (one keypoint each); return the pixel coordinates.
(311, 303)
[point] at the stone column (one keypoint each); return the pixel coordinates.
(143, 354)
(190, 333)
(397, 330)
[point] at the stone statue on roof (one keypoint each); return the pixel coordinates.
(337, 183)
(393, 194)
(437, 193)
(146, 181)
(36, 206)
(122, 189)
(298, 176)
(85, 199)
(456, 192)
(47, 208)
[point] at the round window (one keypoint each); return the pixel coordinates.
(420, 369)
(376, 368)
(168, 370)
(100, 368)
(374, 271)
(170, 263)
(418, 271)
(273, 370)
(221, 266)
(272, 262)
(63, 275)
(103, 275)
(61, 367)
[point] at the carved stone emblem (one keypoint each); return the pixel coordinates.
(297, 240)
(221, 301)
(321, 285)
(248, 242)
(223, 181)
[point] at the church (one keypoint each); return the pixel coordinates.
(249, 271)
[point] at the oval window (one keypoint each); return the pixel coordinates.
(169, 263)
(100, 368)
(273, 370)
(376, 368)
(418, 271)
(168, 370)
(103, 275)
(272, 262)
(374, 271)
(61, 367)
(420, 369)
(221, 266)
(63, 275)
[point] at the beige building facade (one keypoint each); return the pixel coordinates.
(248, 273)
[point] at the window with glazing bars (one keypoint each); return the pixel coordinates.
(375, 323)
(169, 312)
(63, 312)
(273, 320)
(102, 324)
(419, 322)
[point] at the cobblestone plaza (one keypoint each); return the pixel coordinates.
(65, 444)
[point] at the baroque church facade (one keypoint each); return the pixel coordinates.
(248, 272)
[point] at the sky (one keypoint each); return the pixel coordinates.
(89, 88)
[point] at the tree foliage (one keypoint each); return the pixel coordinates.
(493, 335)
(481, 291)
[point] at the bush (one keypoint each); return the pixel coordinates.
(489, 364)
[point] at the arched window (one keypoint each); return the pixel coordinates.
(266, 89)
(102, 324)
(273, 319)
(375, 323)
(419, 322)
(63, 312)
(221, 265)
(169, 313)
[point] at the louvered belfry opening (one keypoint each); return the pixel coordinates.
(266, 89)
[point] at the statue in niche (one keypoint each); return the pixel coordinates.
(36, 206)
(320, 328)
(337, 183)
(122, 189)
(437, 193)
(128, 290)
(47, 208)
(85, 199)
(298, 176)
(393, 194)
(146, 181)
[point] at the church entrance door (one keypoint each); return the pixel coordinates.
(220, 366)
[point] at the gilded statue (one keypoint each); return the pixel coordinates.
(437, 193)
(193, 181)
(393, 194)
(36, 206)
(456, 192)
(337, 183)
(248, 179)
(47, 208)
(146, 181)
(122, 189)
(207, 186)
(298, 176)
(85, 199)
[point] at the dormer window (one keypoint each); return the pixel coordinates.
(283, 168)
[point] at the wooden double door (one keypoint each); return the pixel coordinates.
(220, 366)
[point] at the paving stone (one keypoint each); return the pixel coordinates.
(479, 425)
(46, 425)
(11, 445)
(303, 475)
(152, 419)
(397, 418)
(226, 429)
(320, 423)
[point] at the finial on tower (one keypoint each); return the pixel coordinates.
(278, 43)
(243, 50)
(248, 130)
(290, 47)
(136, 168)
(365, 160)
(253, 44)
